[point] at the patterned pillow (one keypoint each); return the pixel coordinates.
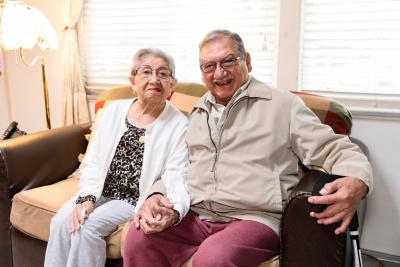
(329, 111)
(98, 111)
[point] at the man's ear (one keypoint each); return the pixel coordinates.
(248, 62)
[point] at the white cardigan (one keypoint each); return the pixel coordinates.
(165, 154)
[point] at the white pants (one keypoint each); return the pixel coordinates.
(86, 247)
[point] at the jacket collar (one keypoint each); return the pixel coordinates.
(256, 89)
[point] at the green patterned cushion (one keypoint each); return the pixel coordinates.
(328, 111)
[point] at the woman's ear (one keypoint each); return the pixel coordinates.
(172, 87)
(173, 84)
(132, 79)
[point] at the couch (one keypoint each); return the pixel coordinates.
(37, 174)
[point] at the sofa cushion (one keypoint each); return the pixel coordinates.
(329, 111)
(32, 211)
(274, 262)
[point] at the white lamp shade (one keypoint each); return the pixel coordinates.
(23, 26)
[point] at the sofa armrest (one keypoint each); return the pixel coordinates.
(34, 160)
(42, 158)
(304, 242)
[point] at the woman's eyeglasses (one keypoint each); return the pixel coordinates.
(147, 73)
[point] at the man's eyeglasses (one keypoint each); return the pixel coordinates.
(225, 64)
(147, 73)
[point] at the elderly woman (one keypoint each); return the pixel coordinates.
(137, 143)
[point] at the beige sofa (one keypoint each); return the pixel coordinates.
(45, 186)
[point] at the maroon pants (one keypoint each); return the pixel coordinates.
(238, 243)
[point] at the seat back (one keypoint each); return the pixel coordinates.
(186, 95)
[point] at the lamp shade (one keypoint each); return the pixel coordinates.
(23, 26)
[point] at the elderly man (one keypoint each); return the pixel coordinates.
(245, 141)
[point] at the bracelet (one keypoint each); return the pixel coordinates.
(80, 199)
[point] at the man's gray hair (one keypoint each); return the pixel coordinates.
(219, 34)
(137, 59)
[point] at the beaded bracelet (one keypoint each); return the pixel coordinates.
(80, 199)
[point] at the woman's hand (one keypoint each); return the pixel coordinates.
(155, 215)
(79, 215)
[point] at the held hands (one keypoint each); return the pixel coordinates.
(342, 196)
(79, 215)
(155, 215)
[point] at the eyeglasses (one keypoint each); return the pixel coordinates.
(147, 73)
(208, 67)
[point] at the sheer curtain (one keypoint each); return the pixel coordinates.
(75, 106)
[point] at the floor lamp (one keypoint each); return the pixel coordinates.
(21, 28)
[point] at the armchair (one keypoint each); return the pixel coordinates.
(35, 181)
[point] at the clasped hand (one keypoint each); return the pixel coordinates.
(342, 196)
(80, 214)
(155, 215)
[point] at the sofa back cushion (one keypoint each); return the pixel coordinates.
(186, 95)
(328, 111)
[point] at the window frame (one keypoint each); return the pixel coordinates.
(288, 49)
(287, 64)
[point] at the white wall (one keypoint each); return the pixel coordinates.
(382, 218)
(4, 99)
(381, 231)
(24, 84)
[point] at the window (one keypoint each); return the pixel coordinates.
(114, 30)
(347, 49)
(351, 46)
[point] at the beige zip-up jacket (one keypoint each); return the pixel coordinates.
(247, 169)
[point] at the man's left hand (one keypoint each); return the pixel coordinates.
(342, 196)
(155, 215)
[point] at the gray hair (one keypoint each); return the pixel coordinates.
(220, 34)
(137, 58)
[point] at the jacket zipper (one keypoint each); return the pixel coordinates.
(216, 155)
(212, 141)
(227, 115)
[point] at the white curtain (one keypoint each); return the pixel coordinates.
(75, 105)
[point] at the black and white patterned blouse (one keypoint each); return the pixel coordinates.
(122, 180)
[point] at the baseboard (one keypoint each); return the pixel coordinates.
(383, 256)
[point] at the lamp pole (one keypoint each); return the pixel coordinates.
(44, 83)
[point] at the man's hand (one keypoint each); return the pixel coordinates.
(79, 215)
(155, 215)
(342, 196)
